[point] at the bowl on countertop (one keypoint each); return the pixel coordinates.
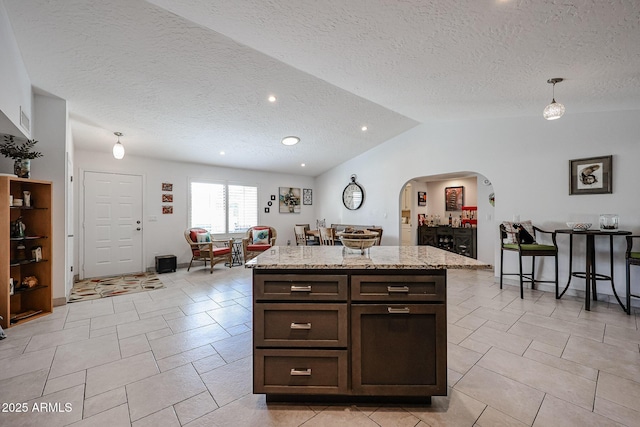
(359, 239)
(579, 226)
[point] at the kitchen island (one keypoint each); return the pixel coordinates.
(331, 324)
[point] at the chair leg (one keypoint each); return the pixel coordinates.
(521, 284)
(628, 288)
(533, 272)
(557, 290)
(190, 262)
(501, 266)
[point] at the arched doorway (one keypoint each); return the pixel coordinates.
(429, 199)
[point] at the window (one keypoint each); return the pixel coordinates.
(223, 208)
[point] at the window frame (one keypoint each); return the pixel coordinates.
(225, 184)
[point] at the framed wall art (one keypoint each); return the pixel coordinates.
(422, 198)
(453, 198)
(167, 198)
(167, 209)
(167, 186)
(591, 175)
(289, 200)
(307, 196)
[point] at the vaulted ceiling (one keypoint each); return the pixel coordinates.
(187, 79)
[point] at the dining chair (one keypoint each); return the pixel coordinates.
(327, 235)
(632, 258)
(512, 239)
(301, 234)
(379, 231)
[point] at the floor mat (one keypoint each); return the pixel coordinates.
(104, 287)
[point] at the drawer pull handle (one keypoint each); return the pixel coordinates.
(301, 325)
(404, 310)
(295, 288)
(301, 372)
(398, 289)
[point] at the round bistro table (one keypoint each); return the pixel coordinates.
(590, 276)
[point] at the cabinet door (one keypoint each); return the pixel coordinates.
(399, 349)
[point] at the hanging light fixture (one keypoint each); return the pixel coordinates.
(118, 148)
(555, 110)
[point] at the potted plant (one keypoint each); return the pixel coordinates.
(21, 153)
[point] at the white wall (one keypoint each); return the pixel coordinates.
(50, 129)
(165, 236)
(436, 200)
(527, 161)
(15, 86)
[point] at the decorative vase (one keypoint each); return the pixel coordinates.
(22, 168)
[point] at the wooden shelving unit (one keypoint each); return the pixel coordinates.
(17, 263)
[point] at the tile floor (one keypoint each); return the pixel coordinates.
(182, 356)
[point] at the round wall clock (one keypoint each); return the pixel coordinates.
(353, 195)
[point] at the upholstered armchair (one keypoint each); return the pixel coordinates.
(258, 239)
(203, 248)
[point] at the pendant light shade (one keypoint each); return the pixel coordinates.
(555, 110)
(118, 148)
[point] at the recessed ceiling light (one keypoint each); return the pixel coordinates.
(303, 165)
(290, 140)
(222, 153)
(364, 128)
(272, 98)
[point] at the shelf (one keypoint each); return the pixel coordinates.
(21, 316)
(23, 290)
(28, 208)
(15, 263)
(27, 238)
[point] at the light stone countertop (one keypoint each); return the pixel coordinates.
(378, 257)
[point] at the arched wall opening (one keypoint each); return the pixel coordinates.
(429, 197)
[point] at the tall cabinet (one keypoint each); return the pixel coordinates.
(25, 255)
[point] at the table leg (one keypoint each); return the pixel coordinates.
(570, 267)
(589, 272)
(613, 286)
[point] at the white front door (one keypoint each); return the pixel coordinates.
(112, 224)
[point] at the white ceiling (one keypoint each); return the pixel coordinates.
(185, 79)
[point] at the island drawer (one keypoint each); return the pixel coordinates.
(300, 287)
(300, 325)
(300, 371)
(390, 288)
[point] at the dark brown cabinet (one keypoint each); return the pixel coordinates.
(353, 334)
(459, 240)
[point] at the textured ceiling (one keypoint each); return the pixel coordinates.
(185, 79)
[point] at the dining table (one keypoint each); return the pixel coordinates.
(590, 275)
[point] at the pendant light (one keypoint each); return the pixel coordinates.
(118, 148)
(555, 110)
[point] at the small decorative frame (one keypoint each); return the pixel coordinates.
(167, 209)
(422, 198)
(269, 203)
(273, 197)
(266, 210)
(591, 175)
(453, 198)
(167, 198)
(167, 186)
(307, 196)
